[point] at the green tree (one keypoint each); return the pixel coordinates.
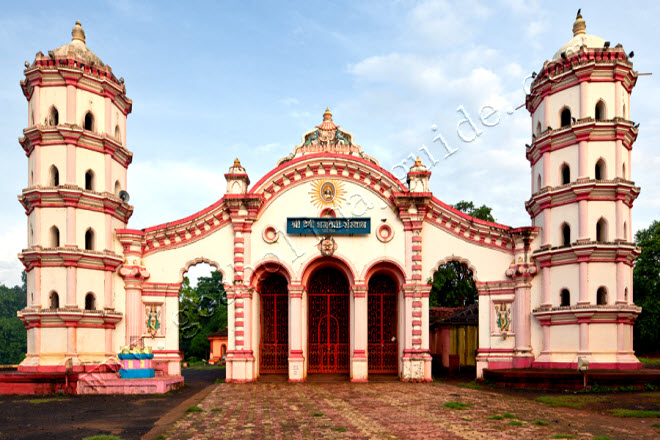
(13, 337)
(202, 311)
(646, 289)
(453, 283)
(483, 212)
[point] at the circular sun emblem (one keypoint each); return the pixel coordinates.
(327, 192)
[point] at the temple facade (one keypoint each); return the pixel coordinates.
(327, 258)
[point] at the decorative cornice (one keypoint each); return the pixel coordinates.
(590, 190)
(73, 196)
(585, 129)
(71, 134)
(69, 257)
(69, 317)
(590, 252)
(587, 314)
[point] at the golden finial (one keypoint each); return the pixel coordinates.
(418, 162)
(77, 32)
(237, 163)
(580, 26)
(327, 116)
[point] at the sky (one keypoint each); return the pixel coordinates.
(211, 81)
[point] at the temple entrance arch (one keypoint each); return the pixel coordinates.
(328, 341)
(382, 319)
(274, 319)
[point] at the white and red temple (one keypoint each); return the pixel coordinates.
(327, 257)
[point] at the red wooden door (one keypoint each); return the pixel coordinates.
(274, 345)
(328, 334)
(382, 322)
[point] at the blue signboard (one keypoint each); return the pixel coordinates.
(328, 225)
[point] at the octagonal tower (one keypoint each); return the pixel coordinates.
(77, 162)
(582, 197)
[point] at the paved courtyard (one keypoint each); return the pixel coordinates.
(391, 410)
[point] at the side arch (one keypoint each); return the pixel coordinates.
(462, 260)
(199, 260)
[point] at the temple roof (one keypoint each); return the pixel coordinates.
(327, 137)
(580, 39)
(78, 47)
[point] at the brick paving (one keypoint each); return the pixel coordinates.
(391, 410)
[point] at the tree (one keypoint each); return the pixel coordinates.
(646, 289)
(13, 337)
(453, 286)
(483, 212)
(202, 311)
(453, 283)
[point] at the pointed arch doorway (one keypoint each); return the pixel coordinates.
(328, 322)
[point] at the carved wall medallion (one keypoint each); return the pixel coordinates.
(327, 246)
(503, 313)
(152, 314)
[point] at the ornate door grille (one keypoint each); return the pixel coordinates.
(274, 345)
(328, 339)
(382, 322)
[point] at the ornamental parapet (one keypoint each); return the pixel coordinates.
(37, 256)
(63, 196)
(57, 71)
(585, 129)
(584, 189)
(611, 64)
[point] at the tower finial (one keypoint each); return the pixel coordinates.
(579, 26)
(78, 33)
(237, 163)
(327, 116)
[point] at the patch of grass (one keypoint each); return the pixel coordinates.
(473, 385)
(457, 405)
(508, 415)
(160, 437)
(192, 409)
(206, 367)
(604, 437)
(216, 409)
(563, 436)
(340, 429)
(467, 420)
(103, 437)
(540, 423)
(496, 417)
(318, 414)
(619, 412)
(219, 380)
(570, 401)
(515, 423)
(650, 362)
(656, 425)
(47, 400)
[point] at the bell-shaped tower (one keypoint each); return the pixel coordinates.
(75, 198)
(582, 197)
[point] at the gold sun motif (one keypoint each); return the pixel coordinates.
(327, 193)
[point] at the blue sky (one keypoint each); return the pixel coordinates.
(212, 81)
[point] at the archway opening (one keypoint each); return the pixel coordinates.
(564, 298)
(90, 301)
(202, 311)
(601, 230)
(565, 174)
(328, 322)
(54, 300)
(89, 239)
(566, 117)
(453, 286)
(53, 117)
(382, 324)
(565, 235)
(600, 171)
(601, 296)
(88, 123)
(54, 237)
(54, 176)
(274, 319)
(89, 180)
(600, 111)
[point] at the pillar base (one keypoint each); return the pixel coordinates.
(416, 367)
(296, 369)
(359, 369)
(241, 366)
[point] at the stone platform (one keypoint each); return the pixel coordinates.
(561, 380)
